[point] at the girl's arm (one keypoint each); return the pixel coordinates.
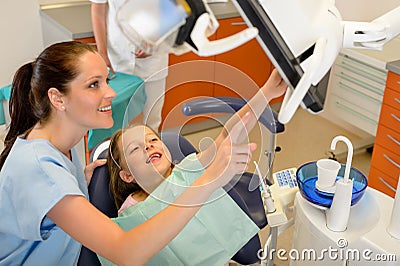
(273, 88)
(82, 221)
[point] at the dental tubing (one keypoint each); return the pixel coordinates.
(269, 202)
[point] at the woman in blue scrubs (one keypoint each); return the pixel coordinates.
(45, 212)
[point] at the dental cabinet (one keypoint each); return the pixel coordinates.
(356, 91)
(385, 163)
(365, 95)
(229, 74)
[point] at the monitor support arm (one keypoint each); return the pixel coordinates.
(204, 47)
(294, 97)
(372, 35)
(338, 34)
(201, 23)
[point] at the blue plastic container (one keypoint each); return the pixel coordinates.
(307, 177)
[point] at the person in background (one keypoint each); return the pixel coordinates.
(45, 212)
(122, 56)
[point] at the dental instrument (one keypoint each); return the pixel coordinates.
(269, 202)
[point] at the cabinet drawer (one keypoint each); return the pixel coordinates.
(393, 81)
(390, 117)
(358, 98)
(339, 83)
(392, 98)
(353, 114)
(388, 139)
(379, 180)
(386, 160)
(362, 69)
(358, 80)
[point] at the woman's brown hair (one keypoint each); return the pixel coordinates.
(55, 67)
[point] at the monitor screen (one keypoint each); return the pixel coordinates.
(280, 55)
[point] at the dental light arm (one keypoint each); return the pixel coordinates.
(302, 57)
(176, 26)
(305, 57)
(372, 35)
(360, 35)
(203, 47)
(205, 24)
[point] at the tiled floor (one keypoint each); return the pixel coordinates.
(306, 138)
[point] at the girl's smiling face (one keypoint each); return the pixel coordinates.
(146, 155)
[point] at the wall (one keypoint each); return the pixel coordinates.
(365, 10)
(21, 36)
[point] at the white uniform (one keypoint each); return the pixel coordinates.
(153, 69)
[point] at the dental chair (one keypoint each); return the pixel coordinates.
(248, 200)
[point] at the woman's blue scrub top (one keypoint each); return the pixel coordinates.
(36, 176)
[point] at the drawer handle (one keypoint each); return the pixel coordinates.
(391, 161)
(238, 23)
(397, 100)
(354, 91)
(351, 61)
(364, 74)
(349, 110)
(387, 184)
(360, 83)
(393, 139)
(395, 117)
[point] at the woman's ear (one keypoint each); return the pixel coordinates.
(126, 176)
(56, 98)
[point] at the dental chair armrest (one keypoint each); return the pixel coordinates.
(269, 118)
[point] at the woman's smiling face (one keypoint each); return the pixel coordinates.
(89, 101)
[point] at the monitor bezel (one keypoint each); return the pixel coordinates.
(277, 50)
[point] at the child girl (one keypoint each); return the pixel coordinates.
(140, 165)
(138, 160)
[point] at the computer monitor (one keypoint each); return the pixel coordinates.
(280, 55)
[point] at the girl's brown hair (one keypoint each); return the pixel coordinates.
(119, 188)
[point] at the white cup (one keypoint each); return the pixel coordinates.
(327, 172)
